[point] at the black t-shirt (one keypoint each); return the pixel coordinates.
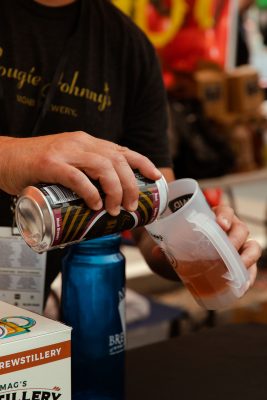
(110, 87)
(111, 84)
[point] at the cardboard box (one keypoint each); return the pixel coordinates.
(244, 92)
(240, 138)
(34, 356)
(212, 91)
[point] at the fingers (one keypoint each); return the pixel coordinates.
(224, 216)
(127, 180)
(68, 156)
(118, 180)
(250, 252)
(142, 163)
(129, 186)
(124, 161)
(236, 229)
(249, 249)
(77, 181)
(252, 274)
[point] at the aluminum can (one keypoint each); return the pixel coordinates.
(51, 216)
(93, 304)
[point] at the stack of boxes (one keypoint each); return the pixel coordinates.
(234, 100)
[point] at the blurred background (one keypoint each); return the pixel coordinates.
(213, 55)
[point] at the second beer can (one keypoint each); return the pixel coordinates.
(51, 216)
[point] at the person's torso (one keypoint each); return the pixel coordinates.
(102, 88)
(91, 90)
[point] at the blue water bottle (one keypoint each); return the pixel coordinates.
(93, 303)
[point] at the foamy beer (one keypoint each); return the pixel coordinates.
(198, 249)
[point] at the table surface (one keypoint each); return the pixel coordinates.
(221, 363)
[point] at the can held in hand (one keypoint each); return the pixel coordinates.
(51, 216)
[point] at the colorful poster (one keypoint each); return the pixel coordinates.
(187, 32)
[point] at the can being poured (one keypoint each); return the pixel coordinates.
(51, 216)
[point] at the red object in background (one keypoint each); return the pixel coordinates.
(217, 38)
(127, 238)
(185, 51)
(187, 47)
(169, 79)
(213, 196)
(192, 43)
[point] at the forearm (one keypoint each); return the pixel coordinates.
(153, 256)
(147, 246)
(74, 159)
(6, 145)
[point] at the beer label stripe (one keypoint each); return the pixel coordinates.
(34, 357)
(145, 204)
(77, 212)
(149, 196)
(143, 208)
(80, 225)
(66, 217)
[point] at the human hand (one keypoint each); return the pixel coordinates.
(238, 233)
(72, 159)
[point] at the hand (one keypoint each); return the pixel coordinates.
(249, 250)
(71, 159)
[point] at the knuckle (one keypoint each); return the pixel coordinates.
(122, 149)
(99, 165)
(103, 163)
(114, 192)
(46, 160)
(130, 187)
(79, 136)
(73, 176)
(119, 159)
(80, 133)
(92, 195)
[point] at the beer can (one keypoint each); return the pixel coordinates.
(50, 216)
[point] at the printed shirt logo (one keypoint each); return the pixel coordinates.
(71, 87)
(11, 326)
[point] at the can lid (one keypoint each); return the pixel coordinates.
(31, 214)
(164, 194)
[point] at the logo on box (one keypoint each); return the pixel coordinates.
(10, 326)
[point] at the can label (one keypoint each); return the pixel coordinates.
(74, 221)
